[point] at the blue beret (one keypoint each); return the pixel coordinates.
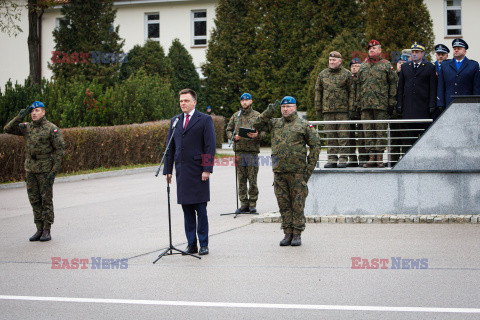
(288, 100)
(246, 96)
(441, 48)
(459, 43)
(403, 57)
(37, 104)
(417, 46)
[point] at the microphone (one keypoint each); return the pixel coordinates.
(175, 122)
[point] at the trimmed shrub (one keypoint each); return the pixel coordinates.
(93, 147)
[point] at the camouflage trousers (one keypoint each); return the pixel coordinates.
(337, 136)
(291, 191)
(375, 139)
(40, 195)
(247, 171)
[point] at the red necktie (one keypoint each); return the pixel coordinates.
(186, 122)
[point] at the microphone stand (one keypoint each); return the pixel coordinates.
(236, 164)
(171, 248)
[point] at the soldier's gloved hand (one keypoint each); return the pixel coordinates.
(390, 110)
(51, 177)
(23, 113)
(318, 113)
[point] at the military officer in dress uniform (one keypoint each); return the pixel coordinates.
(417, 91)
(441, 53)
(459, 76)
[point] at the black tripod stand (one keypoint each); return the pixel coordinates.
(236, 213)
(171, 248)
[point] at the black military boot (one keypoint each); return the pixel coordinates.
(242, 209)
(330, 165)
(46, 235)
(287, 240)
(253, 209)
(36, 236)
(371, 162)
(297, 240)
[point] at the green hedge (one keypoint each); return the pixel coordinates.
(94, 147)
(81, 103)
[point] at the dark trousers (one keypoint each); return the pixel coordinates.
(192, 213)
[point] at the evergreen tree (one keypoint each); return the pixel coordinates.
(396, 24)
(184, 73)
(228, 56)
(269, 47)
(151, 57)
(89, 30)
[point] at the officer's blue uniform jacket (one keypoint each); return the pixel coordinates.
(465, 81)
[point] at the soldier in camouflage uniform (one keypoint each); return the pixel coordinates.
(246, 151)
(291, 166)
(334, 100)
(44, 153)
(354, 65)
(376, 96)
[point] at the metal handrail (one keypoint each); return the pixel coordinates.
(390, 140)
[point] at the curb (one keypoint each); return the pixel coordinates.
(79, 177)
(274, 217)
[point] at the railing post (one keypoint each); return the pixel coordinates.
(388, 146)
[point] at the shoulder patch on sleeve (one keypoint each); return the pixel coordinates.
(55, 130)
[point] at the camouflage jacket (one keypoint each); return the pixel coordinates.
(246, 121)
(333, 91)
(290, 135)
(376, 86)
(44, 144)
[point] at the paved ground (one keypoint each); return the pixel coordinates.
(246, 276)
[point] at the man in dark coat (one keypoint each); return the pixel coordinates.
(417, 91)
(192, 150)
(459, 76)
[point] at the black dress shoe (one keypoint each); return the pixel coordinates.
(253, 210)
(242, 209)
(203, 251)
(191, 249)
(36, 236)
(46, 236)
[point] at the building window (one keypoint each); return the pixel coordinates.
(152, 26)
(453, 18)
(199, 28)
(61, 22)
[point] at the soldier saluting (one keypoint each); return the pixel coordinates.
(291, 166)
(44, 153)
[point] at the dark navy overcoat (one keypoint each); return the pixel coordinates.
(192, 151)
(451, 82)
(417, 90)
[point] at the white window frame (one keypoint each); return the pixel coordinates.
(147, 22)
(192, 28)
(447, 27)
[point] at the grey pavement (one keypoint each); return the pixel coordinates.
(245, 276)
